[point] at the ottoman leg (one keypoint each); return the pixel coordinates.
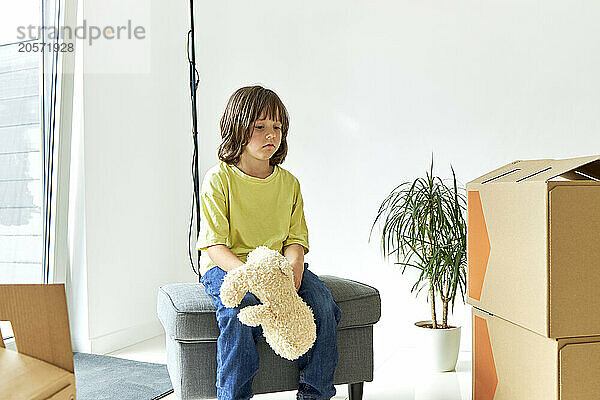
(355, 391)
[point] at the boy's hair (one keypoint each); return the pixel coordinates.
(244, 107)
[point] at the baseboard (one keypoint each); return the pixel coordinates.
(125, 337)
(80, 345)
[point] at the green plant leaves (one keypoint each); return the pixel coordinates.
(423, 227)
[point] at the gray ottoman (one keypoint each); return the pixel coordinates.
(188, 317)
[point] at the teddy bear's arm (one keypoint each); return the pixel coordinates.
(255, 315)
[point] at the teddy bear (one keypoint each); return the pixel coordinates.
(287, 321)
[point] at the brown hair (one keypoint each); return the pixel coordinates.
(243, 108)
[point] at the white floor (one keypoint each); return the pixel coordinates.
(399, 376)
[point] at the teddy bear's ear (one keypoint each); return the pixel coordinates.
(259, 254)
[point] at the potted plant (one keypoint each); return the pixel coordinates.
(424, 228)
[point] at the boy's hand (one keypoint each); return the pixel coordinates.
(295, 255)
(222, 256)
(298, 273)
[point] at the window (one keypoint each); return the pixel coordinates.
(36, 91)
(21, 216)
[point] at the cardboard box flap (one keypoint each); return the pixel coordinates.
(574, 251)
(579, 371)
(25, 377)
(40, 322)
(580, 168)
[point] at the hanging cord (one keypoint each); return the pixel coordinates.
(194, 80)
(49, 138)
(193, 207)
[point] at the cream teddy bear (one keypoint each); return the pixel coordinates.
(287, 321)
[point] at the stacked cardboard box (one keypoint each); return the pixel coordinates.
(534, 280)
(42, 368)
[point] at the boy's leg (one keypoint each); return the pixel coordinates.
(237, 356)
(317, 366)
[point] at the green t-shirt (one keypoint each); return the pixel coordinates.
(244, 212)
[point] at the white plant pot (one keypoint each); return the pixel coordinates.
(438, 347)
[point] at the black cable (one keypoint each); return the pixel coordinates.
(194, 196)
(43, 120)
(190, 236)
(194, 80)
(49, 152)
(194, 193)
(54, 96)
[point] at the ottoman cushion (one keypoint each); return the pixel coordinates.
(188, 314)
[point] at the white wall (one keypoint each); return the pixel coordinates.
(374, 88)
(130, 220)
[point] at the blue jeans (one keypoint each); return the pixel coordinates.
(237, 356)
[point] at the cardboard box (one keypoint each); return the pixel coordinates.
(534, 245)
(43, 366)
(511, 362)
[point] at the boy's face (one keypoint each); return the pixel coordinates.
(265, 138)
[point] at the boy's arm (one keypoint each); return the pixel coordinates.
(295, 255)
(223, 257)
